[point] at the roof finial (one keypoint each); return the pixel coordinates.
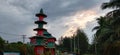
(41, 11)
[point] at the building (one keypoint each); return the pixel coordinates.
(43, 42)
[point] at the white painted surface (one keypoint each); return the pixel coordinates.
(11, 53)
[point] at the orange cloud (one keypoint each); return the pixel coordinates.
(79, 20)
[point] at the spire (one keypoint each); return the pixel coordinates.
(41, 13)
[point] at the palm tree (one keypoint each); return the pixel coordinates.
(114, 16)
(103, 29)
(107, 32)
(107, 35)
(100, 35)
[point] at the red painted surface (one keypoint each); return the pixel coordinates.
(41, 18)
(33, 40)
(39, 50)
(52, 51)
(51, 40)
(40, 32)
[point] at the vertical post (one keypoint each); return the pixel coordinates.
(71, 44)
(78, 45)
(23, 38)
(74, 45)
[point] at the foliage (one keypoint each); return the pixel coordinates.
(78, 43)
(107, 36)
(24, 49)
(2, 42)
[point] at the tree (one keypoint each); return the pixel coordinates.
(2, 42)
(113, 16)
(78, 43)
(81, 41)
(66, 44)
(108, 31)
(24, 49)
(102, 34)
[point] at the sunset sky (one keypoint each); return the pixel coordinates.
(64, 16)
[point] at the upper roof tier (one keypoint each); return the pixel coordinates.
(41, 13)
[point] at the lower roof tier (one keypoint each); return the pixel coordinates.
(36, 29)
(37, 37)
(39, 46)
(50, 47)
(51, 38)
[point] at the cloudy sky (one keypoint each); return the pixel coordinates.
(64, 16)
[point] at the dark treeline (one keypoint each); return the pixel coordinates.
(78, 43)
(24, 49)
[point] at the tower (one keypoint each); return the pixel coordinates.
(40, 41)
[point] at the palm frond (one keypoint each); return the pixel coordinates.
(112, 4)
(95, 28)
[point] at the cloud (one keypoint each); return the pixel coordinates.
(79, 20)
(66, 7)
(14, 20)
(18, 16)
